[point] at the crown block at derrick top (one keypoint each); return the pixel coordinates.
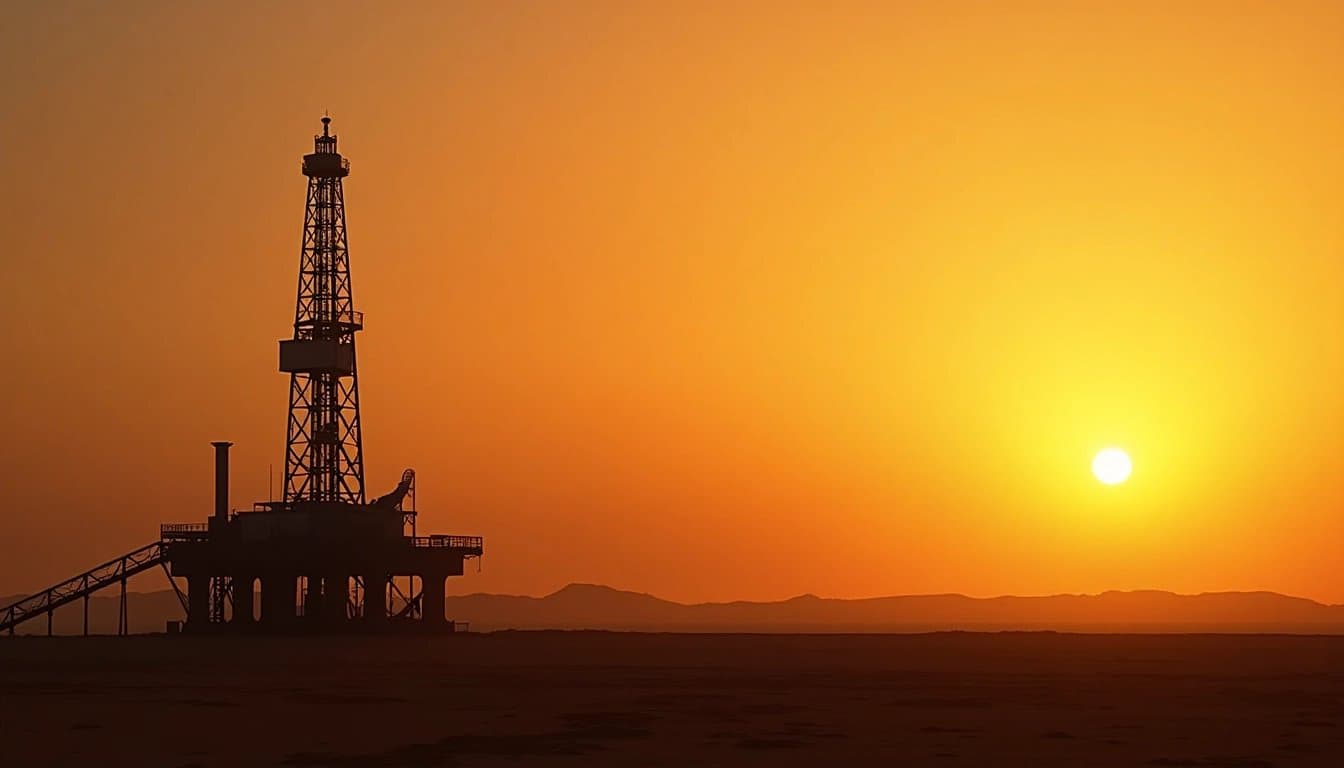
(325, 165)
(317, 356)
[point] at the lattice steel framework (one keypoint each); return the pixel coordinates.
(324, 452)
(221, 596)
(80, 587)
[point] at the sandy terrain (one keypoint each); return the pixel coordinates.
(619, 699)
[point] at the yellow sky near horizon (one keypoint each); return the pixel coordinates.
(709, 300)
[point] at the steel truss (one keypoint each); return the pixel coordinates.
(113, 572)
(324, 449)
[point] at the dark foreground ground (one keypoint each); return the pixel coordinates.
(585, 699)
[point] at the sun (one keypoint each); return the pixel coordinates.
(1112, 466)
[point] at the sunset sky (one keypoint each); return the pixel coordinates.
(711, 300)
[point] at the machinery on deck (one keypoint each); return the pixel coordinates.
(324, 558)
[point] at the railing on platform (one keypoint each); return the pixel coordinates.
(345, 318)
(450, 542)
(180, 531)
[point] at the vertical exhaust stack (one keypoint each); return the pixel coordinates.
(221, 482)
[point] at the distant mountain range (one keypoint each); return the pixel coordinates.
(588, 606)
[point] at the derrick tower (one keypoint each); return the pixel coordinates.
(324, 452)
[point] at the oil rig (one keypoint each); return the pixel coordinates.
(324, 557)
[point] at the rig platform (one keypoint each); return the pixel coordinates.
(325, 559)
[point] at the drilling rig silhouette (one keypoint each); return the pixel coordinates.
(326, 559)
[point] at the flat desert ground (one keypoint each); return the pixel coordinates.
(596, 698)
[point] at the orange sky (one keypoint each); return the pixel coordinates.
(713, 300)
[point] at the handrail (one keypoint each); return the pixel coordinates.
(345, 161)
(180, 531)
(348, 317)
(86, 583)
(453, 542)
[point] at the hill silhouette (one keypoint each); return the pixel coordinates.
(591, 606)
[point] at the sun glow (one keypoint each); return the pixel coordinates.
(1112, 466)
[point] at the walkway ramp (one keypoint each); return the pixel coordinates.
(112, 573)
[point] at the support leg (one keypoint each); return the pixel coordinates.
(242, 599)
(124, 620)
(375, 598)
(431, 605)
(335, 599)
(312, 599)
(198, 602)
(277, 600)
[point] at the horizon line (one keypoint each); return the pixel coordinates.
(606, 587)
